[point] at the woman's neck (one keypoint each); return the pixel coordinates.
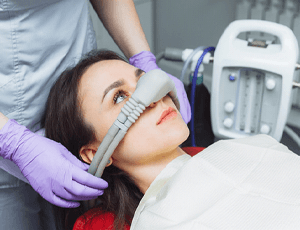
(145, 174)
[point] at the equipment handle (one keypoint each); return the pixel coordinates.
(285, 35)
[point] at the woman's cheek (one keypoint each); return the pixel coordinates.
(134, 144)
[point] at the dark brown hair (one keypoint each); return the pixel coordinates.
(64, 123)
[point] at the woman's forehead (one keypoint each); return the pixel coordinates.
(108, 71)
(98, 77)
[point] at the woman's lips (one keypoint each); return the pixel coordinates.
(167, 115)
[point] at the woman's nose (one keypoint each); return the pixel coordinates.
(153, 104)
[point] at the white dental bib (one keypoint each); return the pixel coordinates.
(249, 183)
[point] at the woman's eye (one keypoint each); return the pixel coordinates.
(119, 97)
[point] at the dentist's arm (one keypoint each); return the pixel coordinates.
(122, 22)
(50, 168)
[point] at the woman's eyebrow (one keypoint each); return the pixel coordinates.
(116, 84)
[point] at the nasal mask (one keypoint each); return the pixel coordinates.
(150, 88)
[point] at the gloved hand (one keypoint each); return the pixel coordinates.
(146, 61)
(52, 171)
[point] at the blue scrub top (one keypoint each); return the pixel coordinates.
(38, 40)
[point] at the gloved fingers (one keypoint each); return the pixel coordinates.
(87, 179)
(69, 156)
(76, 191)
(70, 195)
(185, 108)
(73, 183)
(63, 203)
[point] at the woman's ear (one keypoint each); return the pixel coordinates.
(87, 153)
(109, 162)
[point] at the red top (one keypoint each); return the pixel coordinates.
(192, 150)
(96, 219)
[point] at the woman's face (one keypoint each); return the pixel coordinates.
(103, 90)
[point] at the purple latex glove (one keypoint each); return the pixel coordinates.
(146, 61)
(52, 171)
